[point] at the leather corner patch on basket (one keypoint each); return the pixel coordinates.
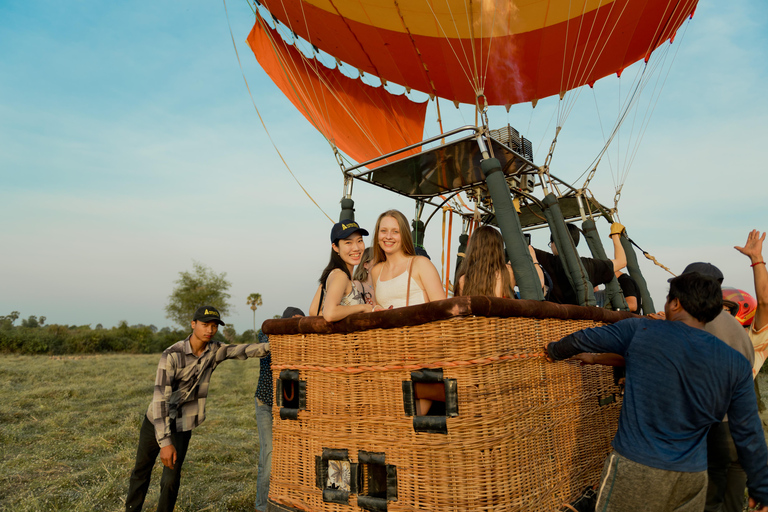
(336, 475)
(442, 395)
(607, 400)
(290, 394)
(376, 480)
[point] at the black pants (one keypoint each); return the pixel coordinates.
(146, 455)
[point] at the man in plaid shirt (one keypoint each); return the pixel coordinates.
(178, 405)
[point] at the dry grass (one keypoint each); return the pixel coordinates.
(69, 428)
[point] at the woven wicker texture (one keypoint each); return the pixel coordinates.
(530, 435)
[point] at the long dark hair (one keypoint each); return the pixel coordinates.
(483, 264)
(334, 263)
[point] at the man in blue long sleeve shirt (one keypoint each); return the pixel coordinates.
(680, 381)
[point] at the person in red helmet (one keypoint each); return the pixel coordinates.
(740, 304)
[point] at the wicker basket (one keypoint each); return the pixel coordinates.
(517, 433)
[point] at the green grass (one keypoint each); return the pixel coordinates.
(69, 429)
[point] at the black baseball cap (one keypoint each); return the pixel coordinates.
(207, 314)
(344, 229)
(706, 269)
(291, 311)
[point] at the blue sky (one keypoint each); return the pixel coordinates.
(129, 148)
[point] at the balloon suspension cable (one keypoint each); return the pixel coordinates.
(617, 197)
(483, 111)
(544, 169)
(338, 156)
(590, 176)
(261, 119)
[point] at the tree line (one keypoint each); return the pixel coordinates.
(200, 287)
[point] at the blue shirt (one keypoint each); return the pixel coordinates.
(264, 387)
(680, 381)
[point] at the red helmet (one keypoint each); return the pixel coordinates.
(741, 305)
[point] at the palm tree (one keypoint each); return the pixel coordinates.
(254, 300)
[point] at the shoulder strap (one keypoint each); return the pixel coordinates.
(408, 286)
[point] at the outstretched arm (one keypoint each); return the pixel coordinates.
(753, 249)
(619, 256)
(333, 311)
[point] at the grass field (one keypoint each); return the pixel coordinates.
(69, 428)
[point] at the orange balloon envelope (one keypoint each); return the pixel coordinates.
(504, 52)
(363, 121)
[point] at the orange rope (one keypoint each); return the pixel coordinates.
(442, 255)
(448, 250)
(410, 366)
(285, 393)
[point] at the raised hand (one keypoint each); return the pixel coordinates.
(753, 249)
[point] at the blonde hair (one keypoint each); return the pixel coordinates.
(405, 236)
(361, 273)
(483, 264)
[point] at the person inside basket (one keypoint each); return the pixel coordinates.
(361, 279)
(336, 297)
(401, 278)
(681, 380)
(178, 405)
(484, 271)
(598, 271)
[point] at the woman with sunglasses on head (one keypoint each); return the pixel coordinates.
(336, 297)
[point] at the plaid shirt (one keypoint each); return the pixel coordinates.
(181, 385)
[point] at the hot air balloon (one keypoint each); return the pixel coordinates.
(513, 433)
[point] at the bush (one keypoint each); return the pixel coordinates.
(61, 339)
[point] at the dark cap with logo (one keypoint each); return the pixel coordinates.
(706, 269)
(344, 229)
(207, 314)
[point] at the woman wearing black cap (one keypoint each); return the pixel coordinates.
(337, 298)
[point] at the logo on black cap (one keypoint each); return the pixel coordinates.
(208, 314)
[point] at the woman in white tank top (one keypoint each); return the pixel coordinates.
(400, 278)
